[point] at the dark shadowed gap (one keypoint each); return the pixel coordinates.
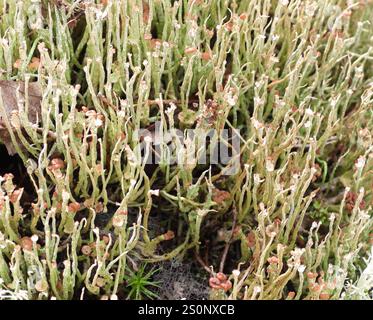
(15, 166)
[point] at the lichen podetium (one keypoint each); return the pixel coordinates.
(101, 186)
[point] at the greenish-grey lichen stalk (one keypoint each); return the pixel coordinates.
(293, 78)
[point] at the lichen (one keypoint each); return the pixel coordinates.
(110, 183)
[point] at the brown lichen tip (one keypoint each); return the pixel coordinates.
(26, 243)
(74, 207)
(219, 196)
(143, 135)
(169, 235)
(220, 281)
(56, 164)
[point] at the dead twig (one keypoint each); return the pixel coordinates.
(202, 263)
